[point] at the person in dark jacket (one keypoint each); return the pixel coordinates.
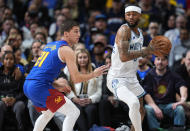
(11, 93)
(184, 71)
(161, 86)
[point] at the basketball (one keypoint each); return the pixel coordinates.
(161, 45)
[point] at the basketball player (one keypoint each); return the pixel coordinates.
(40, 86)
(122, 80)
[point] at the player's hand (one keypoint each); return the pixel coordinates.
(101, 70)
(157, 48)
(150, 49)
(66, 89)
(62, 85)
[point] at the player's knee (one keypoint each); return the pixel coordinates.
(135, 105)
(75, 112)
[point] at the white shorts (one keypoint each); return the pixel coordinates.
(132, 84)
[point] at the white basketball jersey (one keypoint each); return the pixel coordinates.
(121, 69)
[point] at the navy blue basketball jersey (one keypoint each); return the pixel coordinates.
(48, 65)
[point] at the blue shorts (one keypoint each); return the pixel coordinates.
(43, 95)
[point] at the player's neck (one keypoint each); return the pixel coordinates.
(135, 30)
(67, 40)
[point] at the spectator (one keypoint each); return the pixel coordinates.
(161, 86)
(4, 49)
(40, 11)
(19, 60)
(101, 25)
(87, 94)
(180, 46)
(172, 34)
(165, 9)
(115, 15)
(92, 17)
(15, 41)
(35, 54)
(72, 5)
(14, 30)
(11, 90)
(90, 37)
(100, 38)
(170, 23)
(54, 27)
(29, 18)
(153, 30)
(184, 71)
(107, 51)
(44, 30)
(7, 14)
(8, 23)
(40, 36)
(98, 54)
(149, 13)
(143, 69)
(27, 43)
(66, 11)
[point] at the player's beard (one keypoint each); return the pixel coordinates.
(134, 25)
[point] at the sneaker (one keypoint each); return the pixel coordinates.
(123, 128)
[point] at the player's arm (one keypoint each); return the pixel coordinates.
(122, 41)
(62, 85)
(68, 55)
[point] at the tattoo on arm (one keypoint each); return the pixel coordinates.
(122, 39)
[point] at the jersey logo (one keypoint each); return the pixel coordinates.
(58, 99)
(135, 46)
(41, 59)
(115, 83)
(52, 47)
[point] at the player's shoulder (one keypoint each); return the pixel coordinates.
(124, 27)
(66, 52)
(66, 49)
(124, 31)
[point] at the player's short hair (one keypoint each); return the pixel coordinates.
(67, 26)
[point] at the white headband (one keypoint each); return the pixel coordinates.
(133, 8)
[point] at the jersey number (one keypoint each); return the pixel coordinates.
(41, 59)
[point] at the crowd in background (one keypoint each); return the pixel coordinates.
(26, 26)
